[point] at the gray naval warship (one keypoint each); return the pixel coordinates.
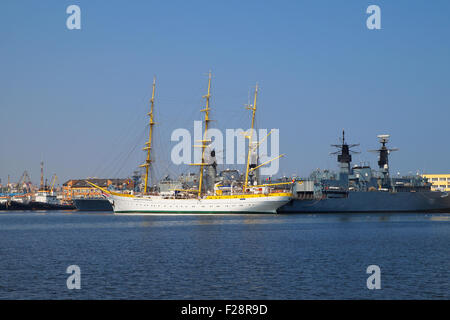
(361, 189)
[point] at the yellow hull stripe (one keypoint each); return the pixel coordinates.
(240, 196)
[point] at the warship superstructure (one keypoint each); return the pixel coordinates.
(362, 189)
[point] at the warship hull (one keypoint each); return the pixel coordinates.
(431, 201)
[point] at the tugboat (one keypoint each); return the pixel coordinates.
(360, 189)
(46, 198)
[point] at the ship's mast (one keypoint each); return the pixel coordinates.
(148, 144)
(383, 159)
(42, 176)
(250, 136)
(204, 141)
(344, 158)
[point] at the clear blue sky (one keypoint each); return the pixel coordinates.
(78, 98)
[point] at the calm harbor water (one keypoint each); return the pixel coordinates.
(224, 256)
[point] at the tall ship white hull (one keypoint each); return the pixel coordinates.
(212, 204)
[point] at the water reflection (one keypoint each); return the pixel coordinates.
(102, 220)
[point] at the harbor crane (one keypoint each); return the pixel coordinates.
(53, 181)
(24, 182)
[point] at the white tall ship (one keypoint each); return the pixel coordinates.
(249, 198)
(245, 203)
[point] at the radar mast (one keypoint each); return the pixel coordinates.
(344, 157)
(383, 159)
